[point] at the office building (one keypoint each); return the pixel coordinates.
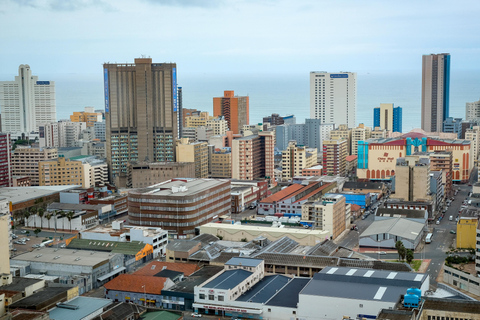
(360, 133)
(61, 172)
(327, 214)
(296, 158)
(25, 161)
(473, 135)
(234, 109)
(99, 130)
(388, 117)
(69, 133)
(310, 134)
(179, 205)
(26, 102)
(89, 116)
(335, 157)
(221, 163)
(435, 91)
(253, 157)
(144, 128)
(453, 125)
(343, 132)
(378, 133)
(412, 182)
(144, 174)
(333, 97)
(472, 111)
(196, 152)
(467, 124)
(48, 135)
(5, 160)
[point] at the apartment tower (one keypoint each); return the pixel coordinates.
(435, 91)
(234, 109)
(140, 113)
(5, 160)
(25, 103)
(388, 117)
(333, 97)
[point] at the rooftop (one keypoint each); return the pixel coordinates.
(22, 194)
(288, 296)
(246, 262)
(128, 248)
(47, 296)
(449, 305)
(397, 213)
(228, 279)
(136, 283)
(120, 310)
(155, 267)
(400, 227)
(188, 284)
(19, 284)
(263, 290)
(180, 188)
(363, 185)
(86, 307)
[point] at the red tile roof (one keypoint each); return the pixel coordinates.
(355, 207)
(282, 194)
(317, 190)
(155, 267)
(136, 283)
(351, 158)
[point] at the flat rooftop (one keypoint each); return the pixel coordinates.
(288, 296)
(263, 291)
(245, 262)
(188, 284)
(192, 187)
(22, 194)
(64, 256)
(86, 306)
(229, 279)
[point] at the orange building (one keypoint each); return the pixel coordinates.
(88, 116)
(234, 108)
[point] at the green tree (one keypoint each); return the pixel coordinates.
(41, 213)
(409, 256)
(48, 216)
(26, 216)
(37, 231)
(33, 212)
(69, 216)
(400, 249)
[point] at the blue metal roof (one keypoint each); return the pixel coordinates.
(245, 262)
(86, 306)
(262, 291)
(228, 279)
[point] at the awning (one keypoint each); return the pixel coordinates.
(108, 275)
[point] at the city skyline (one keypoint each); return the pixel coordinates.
(237, 37)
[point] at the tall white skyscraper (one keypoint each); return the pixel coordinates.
(333, 97)
(26, 103)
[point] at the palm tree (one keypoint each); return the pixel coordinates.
(33, 212)
(26, 215)
(49, 216)
(70, 215)
(41, 213)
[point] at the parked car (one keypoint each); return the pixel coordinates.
(24, 231)
(196, 315)
(453, 232)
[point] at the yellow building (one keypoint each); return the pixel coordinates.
(61, 172)
(196, 152)
(360, 133)
(295, 159)
(5, 276)
(377, 157)
(221, 163)
(328, 214)
(219, 125)
(378, 133)
(343, 133)
(88, 116)
(199, 120)
(25, 161)
(467, 232)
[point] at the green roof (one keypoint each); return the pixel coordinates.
(128, 248)
(80, 157)
(160, 315)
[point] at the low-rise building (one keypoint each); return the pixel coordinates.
(385, 233)
(314, 171)
(246, 193)
(327, 214)
(80, 308)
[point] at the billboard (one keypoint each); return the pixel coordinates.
(339, 75)
(174, 89)
(105, 85)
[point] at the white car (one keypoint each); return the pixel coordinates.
(24, 231)
(196, 315)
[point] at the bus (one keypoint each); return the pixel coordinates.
(428, 239)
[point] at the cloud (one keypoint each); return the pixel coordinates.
(187, 3)
(63, 5)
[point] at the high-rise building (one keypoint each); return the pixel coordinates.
(89, 116)
(412, 182)
(472, 111)
(221, 163)
(61, 172)
(311, 133)
(25, 161)
(5, 160)
(196, 152)
(253, 157)
(360, 133)
(435, 91)
(140, 113)
(295, 159)
(48, 135)
(453, 125)
(343, 132)
(69, 133)
(235, 109)
(473, 134)
(333, 97)
(388, 117)
(25, 103)
(334, 157)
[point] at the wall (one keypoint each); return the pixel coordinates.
(462, 280)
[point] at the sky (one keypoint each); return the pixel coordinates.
(237, 36)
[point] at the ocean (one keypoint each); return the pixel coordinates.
(279, 93)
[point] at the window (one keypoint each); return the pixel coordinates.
(211, 297)
(220, 298)
(269, 310)
(202, 296)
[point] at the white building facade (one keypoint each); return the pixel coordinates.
(333, 97)
(26, 102)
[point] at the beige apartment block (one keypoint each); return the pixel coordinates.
(378, 133)
(412, 175)
(5, 276)
(196, 152)
(334, 157)
(144, 174)
(343, 132)
(295, 159)
(360, 133)
(221, 163)
(25, 161)
(473, 134)
(328, 214)
(62, 172)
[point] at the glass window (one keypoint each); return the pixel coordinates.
(211, 297)
(202, 296)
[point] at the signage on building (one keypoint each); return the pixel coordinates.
(339, 75)
(105, 85)
(43, 83)
(174, 89)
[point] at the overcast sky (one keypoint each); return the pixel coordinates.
(237, 36)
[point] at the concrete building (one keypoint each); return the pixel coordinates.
(314, 171)
(388, 117)
(343, 132)
(221, 163)
(296, 158)
(333, 97)
(234, 109)
(80, 308)
(334, 157)
(82, 268)
(89, 116)
(5, 240)
(435, 91)
(472, 111)
(150, 119)
(5, 160)
(25, 161)
(69, 133)
(186, 204)
(48, 135)
(253, 157)
(61, 172)
(360, 133)
(453, 125)
(246, 193)
(385, 233)
(412, 182)
(473, 135)
(94, 148)
(377, 157)
(196, 152)
(467, 231)
(276, 120)
(379, 133)
(99, 130)
(144, 174)
(218, 124)
(26, 102)
(327, 214)
(310, 134)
